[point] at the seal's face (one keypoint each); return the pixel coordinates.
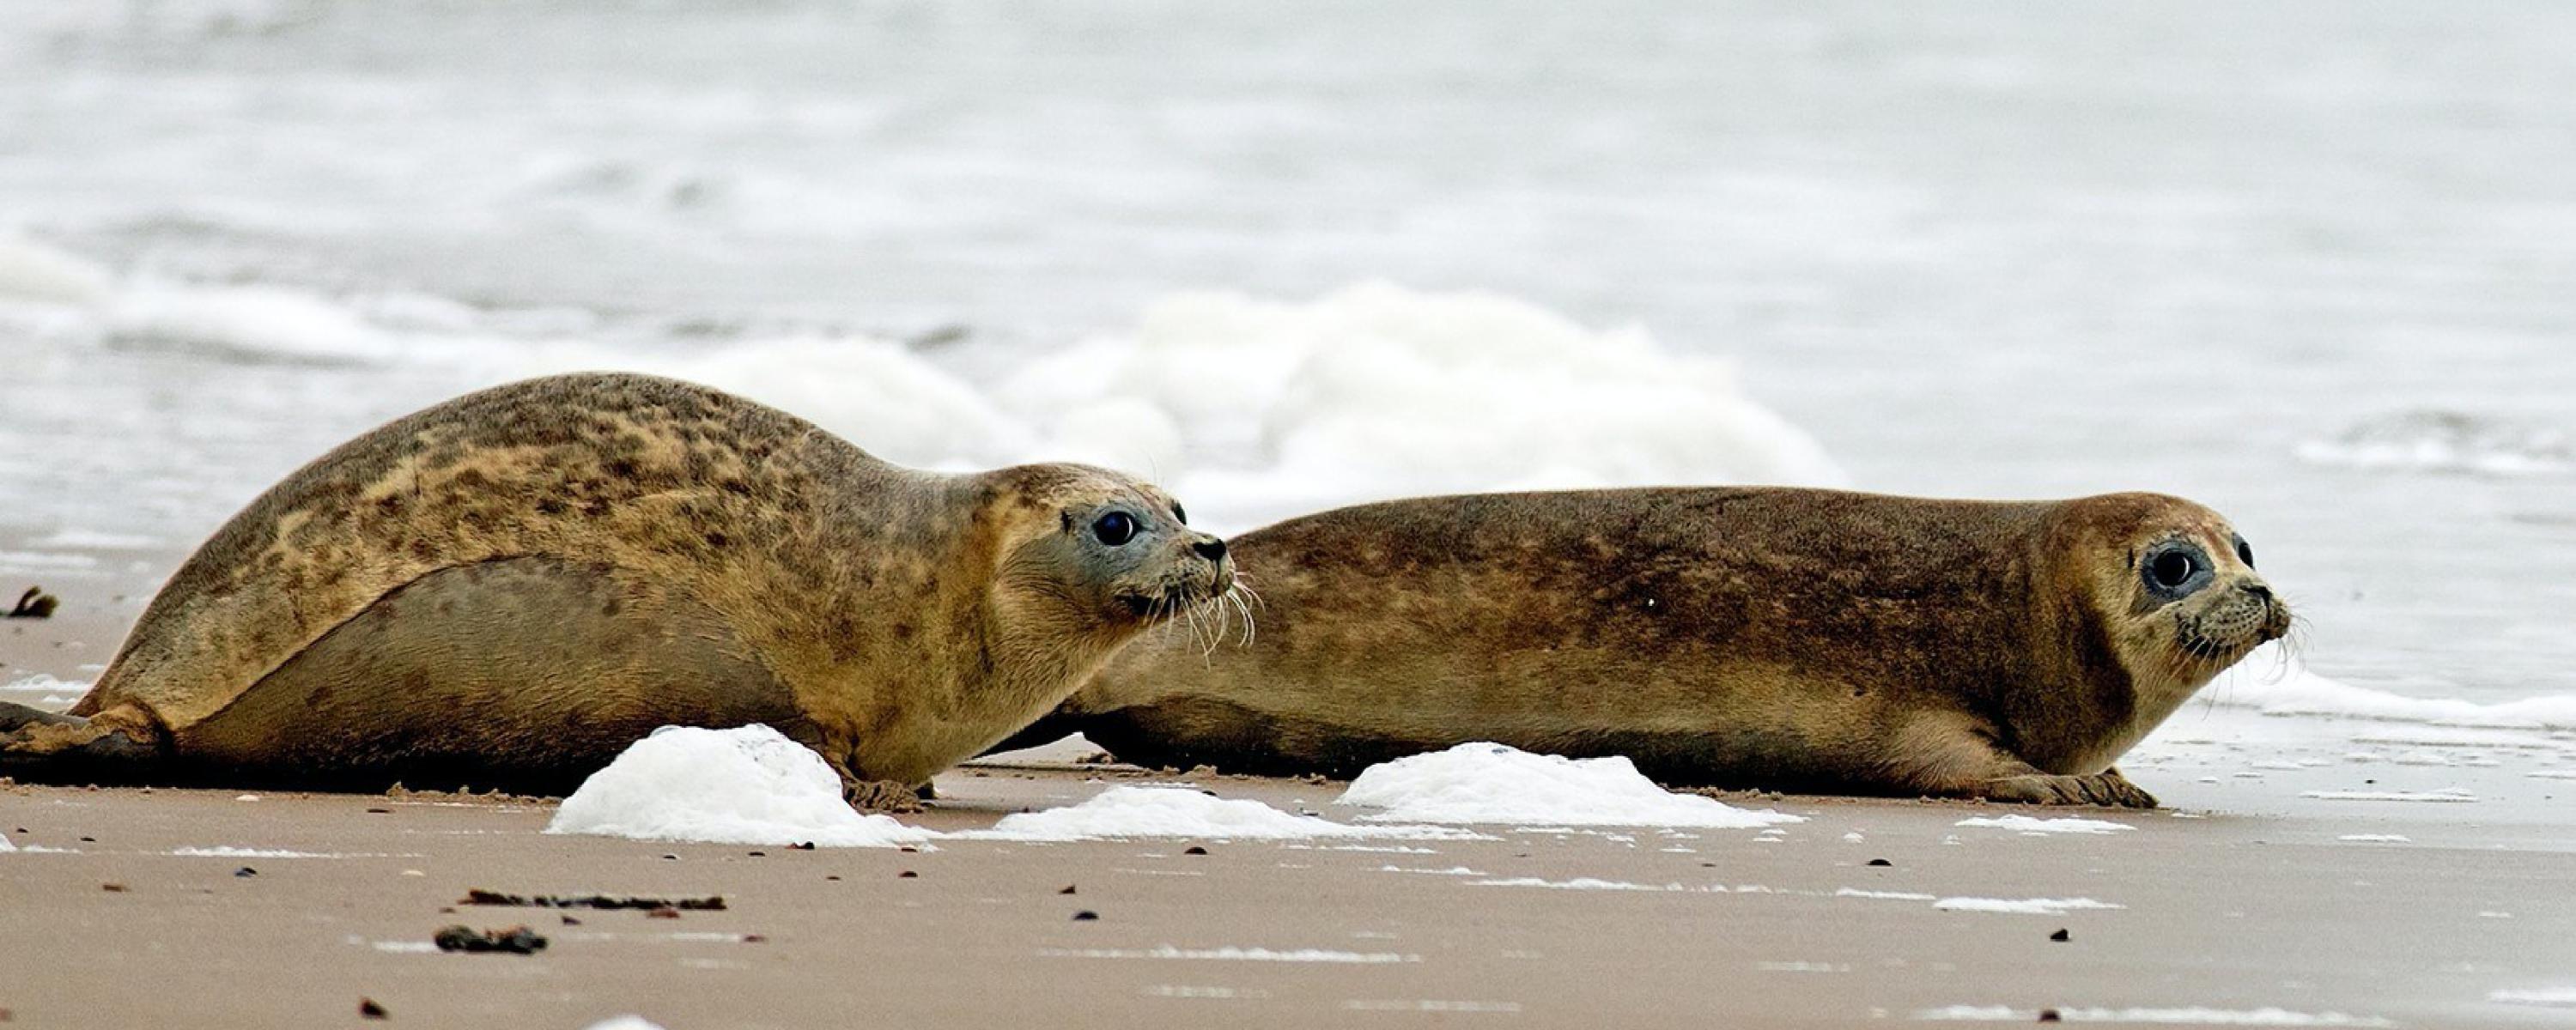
(1121, 552)
(1141, 558)
(2194, 588)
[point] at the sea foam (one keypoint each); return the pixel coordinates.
(2276, 684)
(1493, 783)
(1256, 409)
(748, 785)
(1121, 812)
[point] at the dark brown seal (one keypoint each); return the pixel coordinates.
(505, 590)
(1787, 639)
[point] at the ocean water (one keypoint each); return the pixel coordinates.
(2312, 264)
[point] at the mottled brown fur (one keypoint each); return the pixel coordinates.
(1793, 639)
(507, 588)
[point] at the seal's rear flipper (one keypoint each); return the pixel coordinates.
(13, 716)
(42, 747)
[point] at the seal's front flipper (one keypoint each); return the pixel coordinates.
(2107, 787)
(1956, 756)
(871, 797)
(42, 747)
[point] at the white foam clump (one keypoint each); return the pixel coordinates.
(625, 1023)
(5, 846)
(2022, 906)
(2028, 824)
(2189, 1016)
(1122, 812)
(748, 785)
(229, 851)
(1492, 783)
(2289, 689)
(1377, 390)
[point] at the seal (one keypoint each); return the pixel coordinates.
(507, 589)
(1786, 639)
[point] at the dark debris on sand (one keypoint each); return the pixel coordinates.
(517, 940)
(478, 896)
(34, 604)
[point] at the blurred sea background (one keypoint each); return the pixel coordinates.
(2313, 264)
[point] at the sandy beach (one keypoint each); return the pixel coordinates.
(130, 908)
(2270, 892)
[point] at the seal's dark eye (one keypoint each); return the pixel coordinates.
(2245, 552)
(1115, 528)
(2172, 569)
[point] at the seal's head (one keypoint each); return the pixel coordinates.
(1101, 550)
(2176, 587)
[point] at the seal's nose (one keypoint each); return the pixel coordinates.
(2260, 591)
(1210, 548)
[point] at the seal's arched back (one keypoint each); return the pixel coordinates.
(506, 589)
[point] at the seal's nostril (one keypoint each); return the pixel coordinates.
(2258, 590)
(1210, 548)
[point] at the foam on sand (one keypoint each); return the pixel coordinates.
(1492, 783)
(2447, 795)
(5, 846)
(1123, 812)
(749, 785)
(2034, 826)
(1231, 953)
(2189, 1016)
(2022, 906)
(1580, 883)
(625, 1023)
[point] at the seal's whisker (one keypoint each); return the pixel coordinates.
(1250, 627)
(1220, 622)
(1244, 584)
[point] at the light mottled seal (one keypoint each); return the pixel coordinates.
(507, 589)
(1786, 639)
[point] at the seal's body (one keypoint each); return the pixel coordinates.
(1775, 638)
(505, 590)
